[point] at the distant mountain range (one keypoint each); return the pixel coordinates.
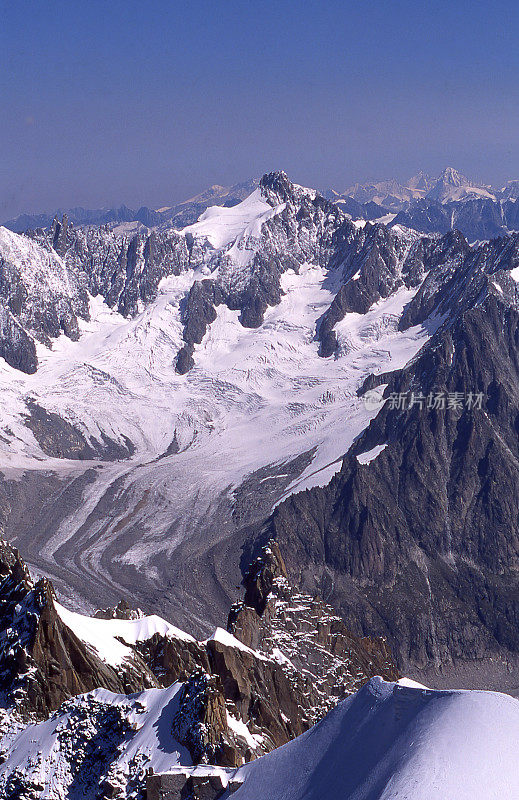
(178, 215)
(450, 186)
(435, 206)
(428, 205)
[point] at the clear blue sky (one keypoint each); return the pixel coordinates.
(149, 102)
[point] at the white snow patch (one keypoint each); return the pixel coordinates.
(386, 219)
(226, 638)
(366, 458)
(103, 634)
(240, 729)
(221, 226)
(411, 684)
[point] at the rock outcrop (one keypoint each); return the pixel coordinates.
(42, 661)
(322, 658)
(41, 298)
(235, 701)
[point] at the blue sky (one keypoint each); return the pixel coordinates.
(150, 102)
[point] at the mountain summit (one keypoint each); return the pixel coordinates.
(451, 185)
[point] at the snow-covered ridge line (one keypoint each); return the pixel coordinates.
(112, 639)
(390, 740)
(54, 757)
(222, 226)
(105, 635)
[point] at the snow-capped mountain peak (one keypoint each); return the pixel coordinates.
(221, 226)
(421, 182)
(451, 186)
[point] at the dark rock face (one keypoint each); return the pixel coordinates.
(17, 348)
(58, 438)
(125, 270)
(185, 360)
(177, 786)
(277, 688)
(426, 216)
(201, 722)
(459, 276)
(198, 312)
(421, 543)
(171, 660)
(66, 667)
(121, 611)
(451, 276)
(375, 264)
(323, 660)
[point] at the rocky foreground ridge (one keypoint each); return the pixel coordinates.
(236, 696)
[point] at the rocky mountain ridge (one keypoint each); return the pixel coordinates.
(449, 186)
(284, 310)
(393, 568)
(231, 702)
(450, 202)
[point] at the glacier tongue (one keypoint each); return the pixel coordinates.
(293, 308)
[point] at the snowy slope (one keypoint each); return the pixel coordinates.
(41, 271)
(97, 739)
(221, 226)
(256, 397)
(390, 741)
(397, 742)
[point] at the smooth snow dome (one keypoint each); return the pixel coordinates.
(221, 226)
(396, 742)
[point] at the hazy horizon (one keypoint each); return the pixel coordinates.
(110, 104)
(174, 200)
